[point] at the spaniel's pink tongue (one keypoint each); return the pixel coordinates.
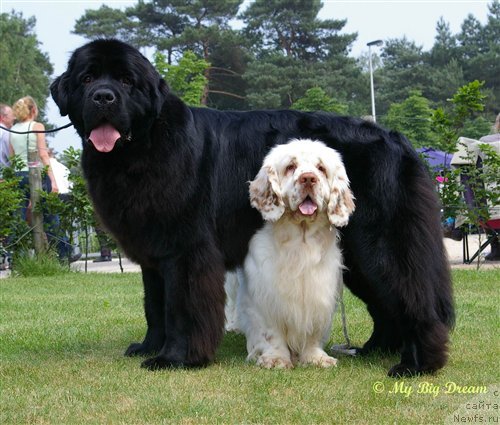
(104, 137)
(308, 207)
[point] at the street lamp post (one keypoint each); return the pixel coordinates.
(370, 44)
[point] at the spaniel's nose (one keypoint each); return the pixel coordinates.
(308, 179)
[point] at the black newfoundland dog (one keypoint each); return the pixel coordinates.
(170, 183)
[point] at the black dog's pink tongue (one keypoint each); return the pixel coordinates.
(308, 207)
(104, 137)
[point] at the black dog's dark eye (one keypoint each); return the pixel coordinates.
(87, 79)
(126, 81)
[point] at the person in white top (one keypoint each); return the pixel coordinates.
(7, 119)
(61, 174)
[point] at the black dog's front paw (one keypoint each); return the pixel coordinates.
(160, 362)
(138, 349)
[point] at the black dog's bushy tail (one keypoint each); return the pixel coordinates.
(423, 270)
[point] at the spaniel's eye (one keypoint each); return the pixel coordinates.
(87, 79)
(290, 168)
(126, 81)
(321, 168)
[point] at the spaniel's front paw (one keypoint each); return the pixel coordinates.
(318, 358)
(274, 362)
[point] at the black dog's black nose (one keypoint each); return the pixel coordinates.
(104, 97)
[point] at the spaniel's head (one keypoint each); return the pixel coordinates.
(305, 179)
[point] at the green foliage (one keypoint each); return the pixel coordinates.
(10, 198)
(12, 226)
(470, 55)
(278, 81)
(444, 81)
(467, 100)
(293, 51)
(76, 212)
(476, 128)
(451, 194)
(205, 21)
(292, 28)
(229, 59)
(235, 56)
(316, 99)
(479, 51)
(448, 126)
(445, 45)
(104, 22)
(284, 48)
(490, 176)
(270, 82)
(25, 68)
(448, 123)
(482, 184)
(79, 208)
(42, 264)
(413, 118)
(10, 201)
(186, 79)
(404, 70)
(174, 27)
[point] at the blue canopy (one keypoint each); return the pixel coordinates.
(438, 160)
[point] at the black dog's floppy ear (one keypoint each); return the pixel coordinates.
(59, 92)
(160, 93)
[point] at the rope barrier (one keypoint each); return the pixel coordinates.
(36, 131)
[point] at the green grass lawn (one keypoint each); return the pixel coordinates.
(61, 351)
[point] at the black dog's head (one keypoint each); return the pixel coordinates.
(110, 91)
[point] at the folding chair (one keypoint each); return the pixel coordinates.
(470, 155)
(492, 229)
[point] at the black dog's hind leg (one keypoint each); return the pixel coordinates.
(194, 310)
(386, 335)
(424, 349)
(154, 306)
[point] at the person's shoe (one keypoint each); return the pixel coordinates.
(494, 254)
(455, 234)
(102, 259)
(492, 257)
(5, 261)
(75, 257)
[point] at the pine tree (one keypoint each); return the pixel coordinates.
(445, 46)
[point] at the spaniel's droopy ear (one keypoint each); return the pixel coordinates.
(265, 194)
(341, 203)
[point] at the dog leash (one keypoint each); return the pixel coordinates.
(347, 347)
(36, 131)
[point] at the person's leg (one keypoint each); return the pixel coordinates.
(494, 254)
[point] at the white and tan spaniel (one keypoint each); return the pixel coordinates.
(294, 267)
